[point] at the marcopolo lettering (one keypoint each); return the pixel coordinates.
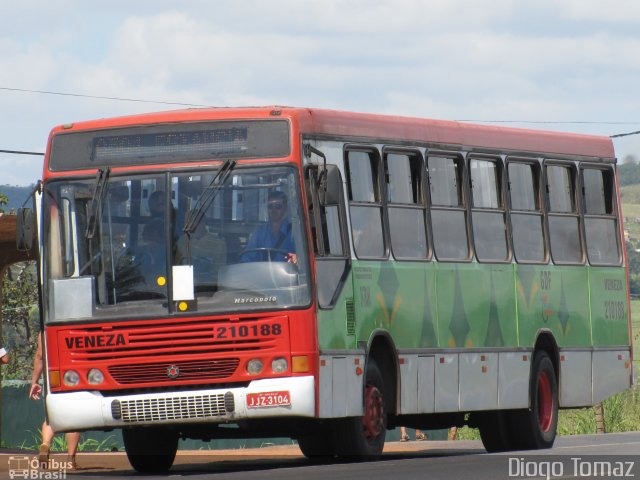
(256, 300)
(92, 341)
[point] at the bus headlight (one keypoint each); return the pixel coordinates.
(255, 366)
(279, 365)
(95, 377)
(71, 378)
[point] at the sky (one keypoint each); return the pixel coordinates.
(567, 65)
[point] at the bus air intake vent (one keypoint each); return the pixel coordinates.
(173, 408)
(351, 317)
(169, 372)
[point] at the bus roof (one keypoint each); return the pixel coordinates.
(384, 128)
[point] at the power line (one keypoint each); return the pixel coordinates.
(625, 134)
(162, 102)
(21, 152)
(120, 99)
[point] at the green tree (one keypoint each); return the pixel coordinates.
(3, 201)
(629, 173)
(20, 319)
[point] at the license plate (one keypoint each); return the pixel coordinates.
(268, 399)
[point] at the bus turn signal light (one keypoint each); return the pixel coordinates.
(300, 364)
(54, 378)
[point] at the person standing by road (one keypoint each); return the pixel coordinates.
(73, 438)
(404, 436)
(4, 356)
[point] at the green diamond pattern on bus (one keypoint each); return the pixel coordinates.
(428, 338)
(459, 325)
(494, 332)
(388, 283)
(563, 314)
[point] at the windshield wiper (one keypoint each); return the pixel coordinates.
(94, 207)
(208, 195)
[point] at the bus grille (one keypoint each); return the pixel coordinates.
(167, 409)
(164, 341)
(167, 372)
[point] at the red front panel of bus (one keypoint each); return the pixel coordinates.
(179, 351)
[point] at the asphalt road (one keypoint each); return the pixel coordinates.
(586, 456)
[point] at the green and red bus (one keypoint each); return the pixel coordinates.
(445, 274)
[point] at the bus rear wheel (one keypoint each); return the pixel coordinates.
(536, 427)
(150, 450)
(363, 437)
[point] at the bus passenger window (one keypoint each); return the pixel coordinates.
(600, 221)
(448, 213)
(564, 226)
(526, 212)
(406, 205)
(488, 214)
(365, 205)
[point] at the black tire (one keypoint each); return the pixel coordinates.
(317, 447)
(150, 450)
(535, 428)
(360, 438)
(495, 431)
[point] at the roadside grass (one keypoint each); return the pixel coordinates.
(59, 443)
(621, 414)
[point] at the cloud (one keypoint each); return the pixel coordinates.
(503, 59)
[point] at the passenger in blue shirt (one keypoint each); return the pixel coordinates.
(274, 236)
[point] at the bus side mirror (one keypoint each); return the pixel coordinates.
(332, 187)
(25, 229)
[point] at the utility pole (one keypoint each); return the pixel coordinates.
(600, 426)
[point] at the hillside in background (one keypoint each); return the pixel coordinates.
(629, 177)
(629, 173)
(17, 196)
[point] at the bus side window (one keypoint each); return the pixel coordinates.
(327, 218)
(600, 220)
(406, 205)
(564, 221)
(488, 213)
(527, 218)
(365, 203)
(448, 212)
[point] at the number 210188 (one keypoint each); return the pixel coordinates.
(241, 331)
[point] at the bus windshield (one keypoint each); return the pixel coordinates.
(245, 251)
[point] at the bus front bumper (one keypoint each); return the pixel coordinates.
(90, 410)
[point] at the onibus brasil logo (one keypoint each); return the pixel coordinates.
(31, 468)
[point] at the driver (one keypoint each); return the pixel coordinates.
(275, 235)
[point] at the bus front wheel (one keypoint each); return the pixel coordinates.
(318, 447)
(150, 450)
(363, 437)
